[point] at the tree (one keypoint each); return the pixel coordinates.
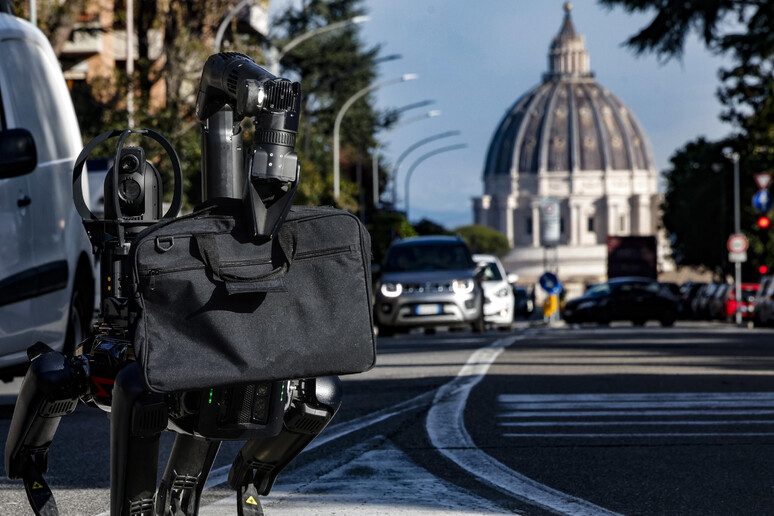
(485, 240)
(740, 29)
(332, 66)
(385, 227)
(698, 205)
(428, 227)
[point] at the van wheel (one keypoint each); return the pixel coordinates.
(79, 321)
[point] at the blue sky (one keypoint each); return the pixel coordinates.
(476, 58)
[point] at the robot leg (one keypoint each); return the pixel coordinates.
(50, 389)
(137, 418)
(187, 469)
(260, 460)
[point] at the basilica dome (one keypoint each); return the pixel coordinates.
(569, 122)
(568, 167)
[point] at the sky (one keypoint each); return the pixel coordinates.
(476, 58)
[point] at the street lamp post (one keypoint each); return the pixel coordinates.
(226, 20)
(275, 54)
(420, 160)
(734, 157)
(340, 116)
(375, 163)
(424, 141)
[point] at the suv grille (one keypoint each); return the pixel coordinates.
(428, 287)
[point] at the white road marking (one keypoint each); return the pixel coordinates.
(446, 429)
(634, 423)
(610, 435)
(635, 409)
(220, 475)
(380, 481)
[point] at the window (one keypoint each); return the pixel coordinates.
(561, 225)
(590, 224)
(528, 228)
(428, 257)
(622, 223)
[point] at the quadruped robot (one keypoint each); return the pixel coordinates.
(277, 419)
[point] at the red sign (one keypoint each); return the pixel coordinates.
(763, 180)
(737, 243)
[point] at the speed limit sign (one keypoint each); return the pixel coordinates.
(737, 243)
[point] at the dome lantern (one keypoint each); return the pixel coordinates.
(567, 56)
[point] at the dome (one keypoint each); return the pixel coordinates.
(569, 122)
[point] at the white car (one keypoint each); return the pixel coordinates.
(46, 265)
(499, 301)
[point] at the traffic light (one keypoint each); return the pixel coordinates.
(764, 222)
(763, 269)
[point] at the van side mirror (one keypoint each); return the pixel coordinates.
(18, 155)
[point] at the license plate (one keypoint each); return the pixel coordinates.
(427, 309)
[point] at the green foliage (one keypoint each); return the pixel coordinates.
(741, 29)
(485, 240)
(698, 208)
(428, 227)
(333, 66)
(385, 227)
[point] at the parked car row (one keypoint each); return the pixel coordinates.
(717, 301)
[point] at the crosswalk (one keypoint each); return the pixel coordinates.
(637, 415)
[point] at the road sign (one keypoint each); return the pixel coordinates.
(550, 283)
(763, 180)
(737, 257)
(737, 243)
(762, 201)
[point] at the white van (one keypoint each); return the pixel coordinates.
(46, 266)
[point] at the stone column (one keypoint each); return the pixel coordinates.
(536, 223)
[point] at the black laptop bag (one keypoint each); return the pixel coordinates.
(217, 307)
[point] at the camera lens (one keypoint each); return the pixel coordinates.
(129, 163)
(129, 190)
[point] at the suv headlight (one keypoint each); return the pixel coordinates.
(391, 289)
(503, 292)
(463, 286)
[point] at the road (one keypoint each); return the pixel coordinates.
(543, 420)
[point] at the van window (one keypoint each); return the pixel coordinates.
(32, 92)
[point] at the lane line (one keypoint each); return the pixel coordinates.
(446, 428)
(629, 413)
(648, 396)
(634, 423)
(549, 435)
(641, 404)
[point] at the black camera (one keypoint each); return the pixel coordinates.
(139, 186)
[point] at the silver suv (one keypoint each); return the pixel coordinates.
(428, 282)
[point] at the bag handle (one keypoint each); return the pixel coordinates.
(283, 250)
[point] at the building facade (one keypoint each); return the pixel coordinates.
(573, 142)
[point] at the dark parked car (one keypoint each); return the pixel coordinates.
(524, 305)
(716, 306)
(688, 292)
(762, 313)
(630, 299)
(700, 303)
